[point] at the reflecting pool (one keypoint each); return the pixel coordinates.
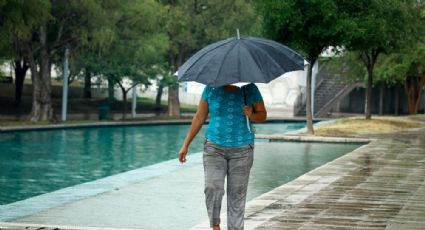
(37, 162)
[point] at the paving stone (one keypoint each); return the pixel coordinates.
(378, 186)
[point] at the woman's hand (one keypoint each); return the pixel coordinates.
(197, 122)
(182, 154)
(248, 110)
(257, 112)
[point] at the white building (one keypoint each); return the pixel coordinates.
(280, 95)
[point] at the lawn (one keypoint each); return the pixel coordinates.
(91, 106)
(151, 102)
(378, 124)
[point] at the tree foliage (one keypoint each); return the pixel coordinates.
(307, 26)
(366, 28)
(39, 29)
(379, 27)
(114, 38)
(408, 67)
(138, 44)
(17, 19)
(192, 24)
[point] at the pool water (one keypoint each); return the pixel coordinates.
(276, 128)
(175, 199)
(277, 163)
(38, 162)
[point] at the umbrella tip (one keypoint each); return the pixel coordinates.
(237, 32)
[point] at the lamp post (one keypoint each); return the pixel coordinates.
(65, 85)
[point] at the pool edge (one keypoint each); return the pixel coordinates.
(97, 124)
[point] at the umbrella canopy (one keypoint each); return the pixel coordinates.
(247, 59)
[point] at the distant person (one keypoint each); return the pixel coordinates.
(228, 147)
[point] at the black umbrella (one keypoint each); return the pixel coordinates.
(234, 60)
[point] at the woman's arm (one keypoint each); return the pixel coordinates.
(197, 122)
(257, 112)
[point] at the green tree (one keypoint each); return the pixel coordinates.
(58, 23)
(192, 24)
(164, 78)
(408, 67)
(379, 27)
(139, 44)
(307, 26)
(348, 65)
(18, 18)
(86, 62)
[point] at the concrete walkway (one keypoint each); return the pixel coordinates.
(377, 186)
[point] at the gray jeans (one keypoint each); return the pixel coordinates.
(236, 163)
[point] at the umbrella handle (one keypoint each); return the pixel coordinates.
(247, 119)
(248, 124)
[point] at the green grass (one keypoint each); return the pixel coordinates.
(146, 104)
(151, 102)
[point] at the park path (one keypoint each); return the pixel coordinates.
(378, 186)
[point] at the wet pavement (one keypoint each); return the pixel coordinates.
(378, 186)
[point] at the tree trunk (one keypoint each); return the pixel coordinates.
(308, 110)
(414, 90)
(173, 91)
(111, 92)
(173, 101)
(421, 84)
(125, 107)
(42, 109)
(158, 97)
(368, 110)
(381, 97)
(397, 99)
(42, 102)
(369, 59)
(87, 84)
(21, 67)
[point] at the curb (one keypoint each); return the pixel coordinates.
(312, 139)
(93, 125)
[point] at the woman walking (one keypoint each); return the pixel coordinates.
(228, 147)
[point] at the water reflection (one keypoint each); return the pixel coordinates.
(277, 163)
(306, 158)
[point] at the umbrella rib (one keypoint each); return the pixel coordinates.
(294, 54)
(259, 66)
(187, 70)
(269, 56)
(222, 61)
(202, 69)
(289, 59)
